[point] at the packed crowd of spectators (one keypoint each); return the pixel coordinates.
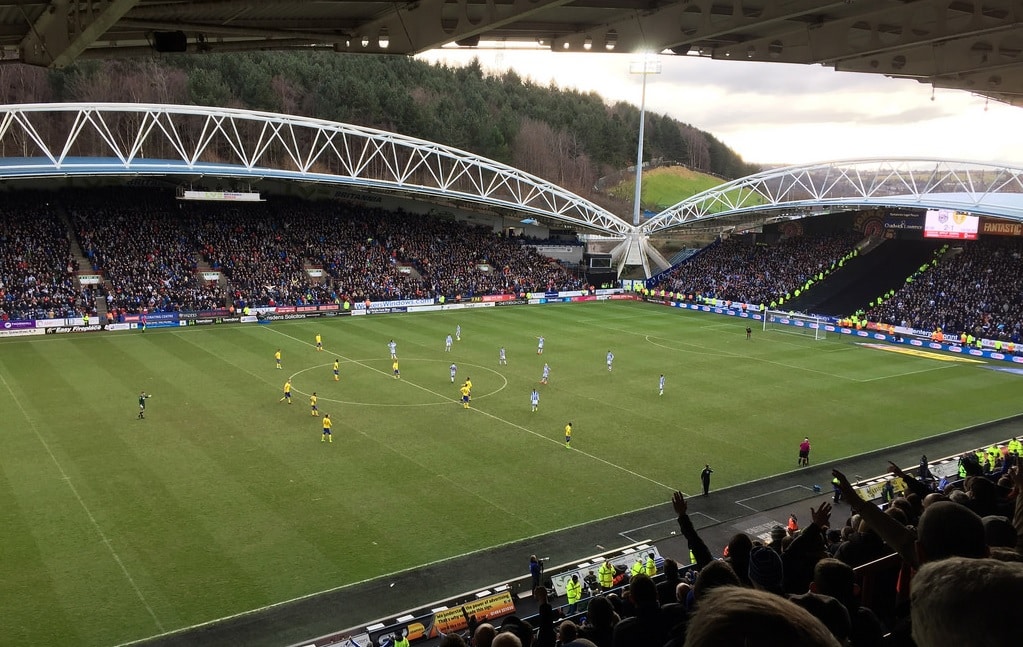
(737, 269)
(37, 268)
(261, 254)
(150, 247)
(365, 253)
(455, 256)
(950, 573)
(974, 288)
(142, 246)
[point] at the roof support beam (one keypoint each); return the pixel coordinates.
(67, 27)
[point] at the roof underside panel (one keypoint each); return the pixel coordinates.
(973, 45)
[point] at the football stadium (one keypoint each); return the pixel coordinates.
(274, 380)
(170, 480)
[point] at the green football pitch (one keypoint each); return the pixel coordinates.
(224, 499)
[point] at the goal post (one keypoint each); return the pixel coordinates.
(795, 323)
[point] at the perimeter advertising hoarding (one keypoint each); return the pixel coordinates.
(485, 610)
(221, 196)
(60, 330)
(18, 324)
(873, 490)
(398, 303)
(996, 227)
(153, 318)
(903, 220)
(19, 332)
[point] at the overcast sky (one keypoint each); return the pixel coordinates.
(785, 114)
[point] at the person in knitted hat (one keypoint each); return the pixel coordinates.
(765, 569)
(777, 536)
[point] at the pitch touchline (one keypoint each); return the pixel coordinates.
(507, 543)
(410, 569)
(755, 359)
(81, 502)
(923, 370)
(588, 455)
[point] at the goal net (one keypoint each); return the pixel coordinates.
(795, 323)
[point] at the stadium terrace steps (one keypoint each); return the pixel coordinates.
(865, 277)
(84, 264)
(203, 266)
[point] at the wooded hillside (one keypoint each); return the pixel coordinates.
(568, 137)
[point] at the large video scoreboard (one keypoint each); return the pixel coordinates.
(946, 223)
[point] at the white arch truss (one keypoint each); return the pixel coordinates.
(61, 139)
(796, 191)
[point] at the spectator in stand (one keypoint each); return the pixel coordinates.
(965, 601)
(600, 622)
(739, 549)
(778, 536)
(766, 571)
(568, 632)
(829, 611)
(697, 547)
(484, 635)
(807, 548)
(648, 624)
(545, 618)
(514, 632)
(38, 277)
(862, 546)
(970, 288)
(736, 617)
(740, 269)
(666, 587)
(450, 640)
(713, 575)
(999, 532)
(836, 579)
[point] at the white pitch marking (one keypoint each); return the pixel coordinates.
(944, 365)
(507, 422)
(92, 518)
